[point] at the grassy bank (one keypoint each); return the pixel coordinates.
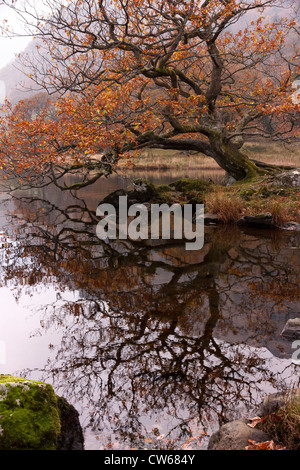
(257, 197)
(230, 203)
(267, 152)
(283, 425)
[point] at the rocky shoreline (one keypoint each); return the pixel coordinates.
(252, 434)
(33, 417)
(284, 187)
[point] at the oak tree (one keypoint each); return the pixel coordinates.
(200, 75)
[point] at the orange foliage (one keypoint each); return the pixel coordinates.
(155, 73)
(267, 445)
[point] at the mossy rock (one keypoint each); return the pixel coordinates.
(29, 415)
(168, 195)
(188, 185)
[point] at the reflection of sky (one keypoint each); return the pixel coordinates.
(27, 341)
(16, 326)
(2, 91)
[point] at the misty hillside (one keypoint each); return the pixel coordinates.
(16, 84)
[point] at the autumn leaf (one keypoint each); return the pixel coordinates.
(255, 421)
(266, 445)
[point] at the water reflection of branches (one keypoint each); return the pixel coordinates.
(234, 273)
(125, 367)
(173, 335)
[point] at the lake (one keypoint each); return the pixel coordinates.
(154, 345)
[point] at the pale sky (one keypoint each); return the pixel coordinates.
(10, 47)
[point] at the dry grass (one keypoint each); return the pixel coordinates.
(274, 153)
(280, 212)
(284, 425)
(165, 159)
(228, 208)
(268, 152)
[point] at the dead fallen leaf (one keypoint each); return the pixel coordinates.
(255, 421)
(266, 445)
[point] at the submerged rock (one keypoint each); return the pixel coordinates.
(32, 417)
(291, 329)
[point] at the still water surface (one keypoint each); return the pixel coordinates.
(154, 345)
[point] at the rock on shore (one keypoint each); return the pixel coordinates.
(33, 417)
(235, 435)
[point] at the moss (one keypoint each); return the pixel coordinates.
(184, 190)
(264, 192)
(167, 195)
(29, 416)
(188, 185)
(247, 194)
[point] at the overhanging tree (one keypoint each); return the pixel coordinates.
(193, 75)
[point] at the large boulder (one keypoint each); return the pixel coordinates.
(290, 178)
(31, 416)
(235, 435)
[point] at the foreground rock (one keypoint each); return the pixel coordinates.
(235, 435)
(32, 417)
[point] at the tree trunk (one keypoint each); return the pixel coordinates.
(232, 159)
(226, 153)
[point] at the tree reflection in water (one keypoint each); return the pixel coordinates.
(160, 341)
